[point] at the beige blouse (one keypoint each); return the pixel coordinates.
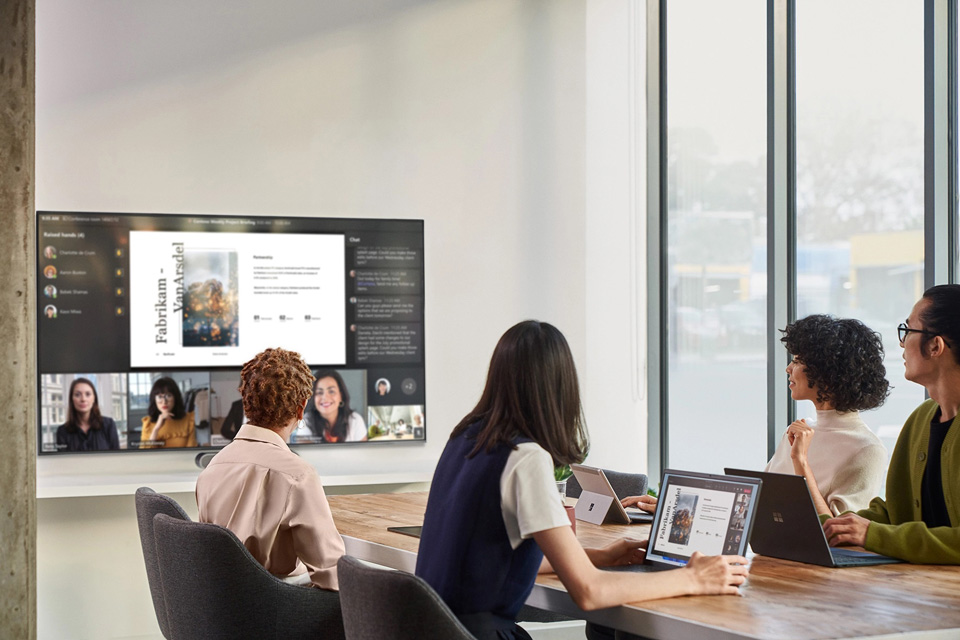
(274, 502)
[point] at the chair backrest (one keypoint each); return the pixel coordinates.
(149, 503)
(382, 603)
(624, 484)
(214, 588)
(627, 484)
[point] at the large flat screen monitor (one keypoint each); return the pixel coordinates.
(146, 320)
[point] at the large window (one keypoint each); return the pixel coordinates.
(715, 270)
(859, 91)
(837, 110)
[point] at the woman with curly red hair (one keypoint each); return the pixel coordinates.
(267, 495)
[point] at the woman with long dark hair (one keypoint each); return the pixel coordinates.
(167, 424)
(329, 416)
(86, 429)
(494, 518)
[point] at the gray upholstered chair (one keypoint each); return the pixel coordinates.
(214, 588)
(624, 484)
(381, 603)
(149, 503)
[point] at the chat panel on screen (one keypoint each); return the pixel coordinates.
(394, 343)
(387, 256)
(388, 281)
(218, 299)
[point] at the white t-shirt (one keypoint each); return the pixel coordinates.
(529, 500)
(356, 429)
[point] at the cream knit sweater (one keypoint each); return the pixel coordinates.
(847, 460)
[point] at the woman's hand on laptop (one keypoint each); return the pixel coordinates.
(619, 552)
(848, 529)
(714, 575)
(644, 503)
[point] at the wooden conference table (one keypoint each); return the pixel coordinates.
(782, 599)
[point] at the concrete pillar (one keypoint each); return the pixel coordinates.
(18, 387)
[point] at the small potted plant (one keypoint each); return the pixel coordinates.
(560, 474)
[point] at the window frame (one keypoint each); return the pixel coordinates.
(940, 115)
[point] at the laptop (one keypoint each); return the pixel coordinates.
(789, 528)
(594, 481)
(712, 514)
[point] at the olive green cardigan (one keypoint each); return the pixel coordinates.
(897, 528)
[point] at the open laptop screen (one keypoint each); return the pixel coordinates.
(699, 512)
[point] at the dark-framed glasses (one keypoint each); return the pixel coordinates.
(903, 331)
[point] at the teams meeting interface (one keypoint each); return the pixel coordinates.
(124, 299)
(703, 515)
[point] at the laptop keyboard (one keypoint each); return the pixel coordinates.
(639, 568)
(850, 558)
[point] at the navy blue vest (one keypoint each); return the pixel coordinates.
(465, 552)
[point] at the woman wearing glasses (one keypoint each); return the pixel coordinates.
(919, 521)
(167, 423)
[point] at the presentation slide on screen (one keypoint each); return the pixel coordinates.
(218, 299)
(694, 519)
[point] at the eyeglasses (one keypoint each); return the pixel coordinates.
(903, 331)
(164, 396)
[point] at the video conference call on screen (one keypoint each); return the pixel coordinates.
(125, 300)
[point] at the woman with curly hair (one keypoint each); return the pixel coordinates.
(263, 492)
(838, 365)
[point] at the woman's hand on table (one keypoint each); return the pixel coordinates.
(717, 575)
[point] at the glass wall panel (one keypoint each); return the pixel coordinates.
(860, 175)
(716, 253)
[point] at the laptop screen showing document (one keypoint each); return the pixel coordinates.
(711, 514)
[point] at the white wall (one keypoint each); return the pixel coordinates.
(614, 378)
(466, 114)
(470, 114)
